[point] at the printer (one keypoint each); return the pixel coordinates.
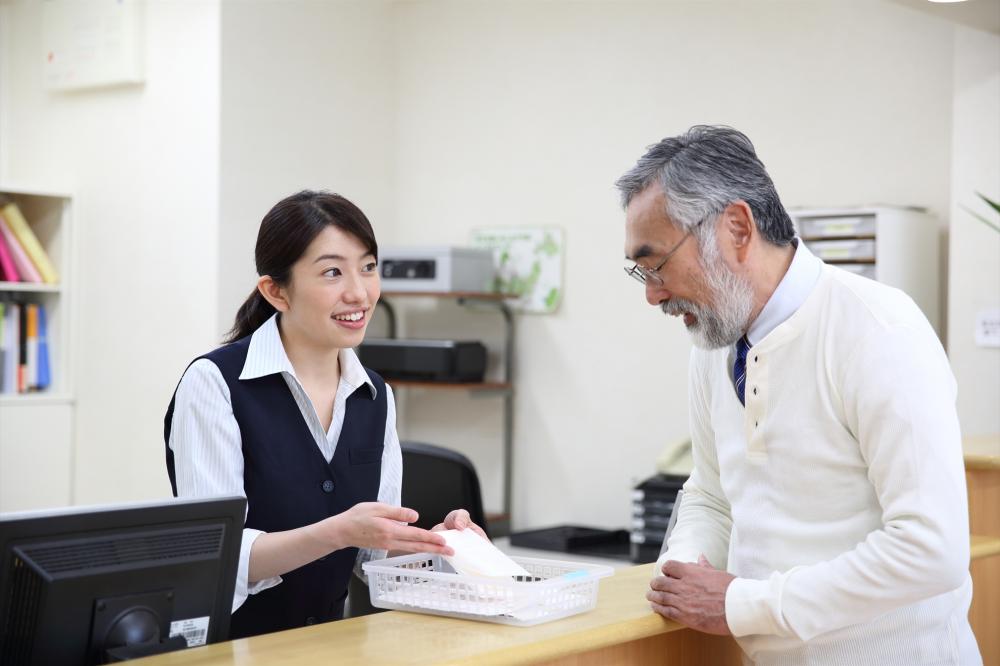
(436, 269)
(425, 360)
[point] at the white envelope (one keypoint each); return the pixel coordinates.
(476, 556)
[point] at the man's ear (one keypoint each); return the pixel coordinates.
(273, 293)
(738, 228)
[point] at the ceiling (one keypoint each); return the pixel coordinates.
(982, 14)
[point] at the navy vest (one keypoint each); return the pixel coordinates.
(289, 484)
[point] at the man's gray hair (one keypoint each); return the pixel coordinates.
(704, 170)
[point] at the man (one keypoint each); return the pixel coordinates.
(825, 521)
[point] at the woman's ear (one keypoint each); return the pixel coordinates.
(273, 293)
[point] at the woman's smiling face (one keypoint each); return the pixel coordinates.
(333, 290)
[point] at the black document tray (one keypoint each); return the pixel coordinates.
(575, 539)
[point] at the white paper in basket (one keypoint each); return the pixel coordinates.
(476, 556)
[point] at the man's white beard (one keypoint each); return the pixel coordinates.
(723, 323)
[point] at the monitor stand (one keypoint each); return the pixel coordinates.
(132, 626)
(124, 653)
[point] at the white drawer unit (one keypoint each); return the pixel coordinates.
(896, 246)
(837, 226)
(864, 270)
(857, 250)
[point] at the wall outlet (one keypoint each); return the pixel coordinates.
(988, 328)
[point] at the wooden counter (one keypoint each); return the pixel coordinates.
(985, 546)
(622, 629)
(982, 476)
(982, 452)
(622, 616)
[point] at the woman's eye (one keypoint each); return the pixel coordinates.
(331, 272)
(370, 267)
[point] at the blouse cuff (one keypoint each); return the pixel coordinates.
(243, 587)
(366, 555)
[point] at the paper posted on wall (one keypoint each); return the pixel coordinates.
(528, 263)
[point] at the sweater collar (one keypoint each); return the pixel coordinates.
(793, 290)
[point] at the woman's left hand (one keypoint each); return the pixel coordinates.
(459, 519)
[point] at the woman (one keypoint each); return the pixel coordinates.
(286, 415)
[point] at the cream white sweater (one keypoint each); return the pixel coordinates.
(837, 495)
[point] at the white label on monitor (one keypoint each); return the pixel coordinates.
(194, 631)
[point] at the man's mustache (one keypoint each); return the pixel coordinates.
(676, 306)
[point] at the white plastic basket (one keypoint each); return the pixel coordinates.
(425, 583)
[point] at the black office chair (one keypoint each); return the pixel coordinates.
(436, 480)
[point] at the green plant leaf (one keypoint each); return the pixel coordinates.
(551, 299)
(991, 225)
(992, 204)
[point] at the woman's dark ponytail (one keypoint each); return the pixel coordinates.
(284, 236)
(254, 312)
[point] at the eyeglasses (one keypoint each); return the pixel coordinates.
(643, 275)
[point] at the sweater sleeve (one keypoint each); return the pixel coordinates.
(898, 398)
(704, 522)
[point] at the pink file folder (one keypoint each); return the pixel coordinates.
(7, 271)
(25, 268)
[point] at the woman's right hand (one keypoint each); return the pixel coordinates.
(382, 527)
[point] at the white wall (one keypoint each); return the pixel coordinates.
(975, 249)
(525, 113)
(171, 180)
(436, 117)
(143, 164)
(307, 102)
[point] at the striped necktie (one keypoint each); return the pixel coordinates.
(740, 367)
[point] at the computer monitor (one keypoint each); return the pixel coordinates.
(96, 585)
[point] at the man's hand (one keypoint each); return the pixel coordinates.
(692, 594)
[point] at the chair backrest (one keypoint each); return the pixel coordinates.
(437, 480)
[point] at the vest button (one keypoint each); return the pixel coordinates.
(328, 486)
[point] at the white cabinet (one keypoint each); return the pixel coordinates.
(36, 429)
(36, 454)
(896, 246)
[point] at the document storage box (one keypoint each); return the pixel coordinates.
(844, 250)
(898, 246)
(866, 270)
(652, 505)
(846, 226)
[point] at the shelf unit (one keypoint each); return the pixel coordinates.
(499, 523)
(36, 429)
(896, 246)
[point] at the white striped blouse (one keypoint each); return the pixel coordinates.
(208, 451)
